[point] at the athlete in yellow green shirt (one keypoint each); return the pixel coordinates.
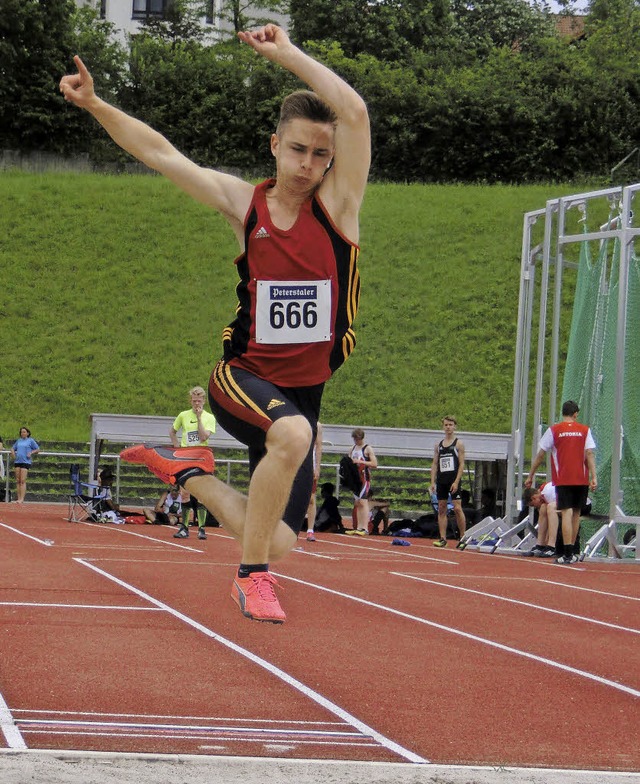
(197, 426)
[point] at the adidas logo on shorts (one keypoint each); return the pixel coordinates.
(274, 403)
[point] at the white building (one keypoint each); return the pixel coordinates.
(127, 15)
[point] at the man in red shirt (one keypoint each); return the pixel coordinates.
(573, 471)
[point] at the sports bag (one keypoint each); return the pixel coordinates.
(350, 475)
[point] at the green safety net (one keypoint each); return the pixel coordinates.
(591, 366)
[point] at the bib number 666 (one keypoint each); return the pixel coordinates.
(293, 315)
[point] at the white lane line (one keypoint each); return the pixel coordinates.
(288, 679)
(12, 734)
(468, 636)
(301, 551)
(593, 590)
(45, 542)
(175, 719)
(124, 725)
(396, 551)
(121, 530)
(354, 744)
(80, 606)
(519, 602)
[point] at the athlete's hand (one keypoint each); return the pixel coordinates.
(78, 88)
(269, 41)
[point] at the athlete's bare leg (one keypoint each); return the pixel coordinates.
(362, 514)
(442, 519)
(256, 520)
(552, 517)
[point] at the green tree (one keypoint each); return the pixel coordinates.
(217, 104)
(241, 14)
(180, 22)
(36, 39)
(482, 25)
(388, 29)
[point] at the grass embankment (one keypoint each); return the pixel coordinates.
(116, 290)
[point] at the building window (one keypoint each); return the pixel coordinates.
(210, 11)
(148, 9)
(103, 9)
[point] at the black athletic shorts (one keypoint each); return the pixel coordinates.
(246, 406)
(571, 496)
(444, 490)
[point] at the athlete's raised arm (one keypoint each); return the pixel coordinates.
(343, 187)
(229, 195)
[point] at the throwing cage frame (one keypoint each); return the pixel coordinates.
(551, 241)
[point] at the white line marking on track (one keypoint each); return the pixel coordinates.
(11, 733)
(186, 736)
(175, 719)
(593, 590)
(45, 542)
(302, 551)
(69, 723)
(284, 676)
(397, 551)
(121, 530)
(79, 606)
(469, 636)
(518, 601)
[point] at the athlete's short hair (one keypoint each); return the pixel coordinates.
(569, 408)
(449, 419)
(358, 433)
(197, 391)
(528, 494)
(306, 105)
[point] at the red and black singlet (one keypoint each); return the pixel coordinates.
(298, 296)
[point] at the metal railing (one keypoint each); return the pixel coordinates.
(224, 467)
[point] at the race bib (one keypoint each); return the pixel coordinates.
(193, 437)
(289, 311)
(446, 464)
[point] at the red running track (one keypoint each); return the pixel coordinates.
(120, 638)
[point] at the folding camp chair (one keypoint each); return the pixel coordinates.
(83, 501)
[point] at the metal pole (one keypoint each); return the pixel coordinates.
(557, 308)
(515, 458)
(552, 206)
(615, 499)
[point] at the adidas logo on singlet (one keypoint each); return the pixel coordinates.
(261, 234)
(274, 403)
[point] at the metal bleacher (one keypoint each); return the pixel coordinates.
(388, 442)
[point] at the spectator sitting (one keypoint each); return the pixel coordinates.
(379, 513)
(101, 500)
(487, 505)
(467, 505)
(168, 510)
(328, 518)
(543, 499)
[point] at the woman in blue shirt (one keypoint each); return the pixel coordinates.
(22, 451)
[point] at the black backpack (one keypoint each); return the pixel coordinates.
(350, 475)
